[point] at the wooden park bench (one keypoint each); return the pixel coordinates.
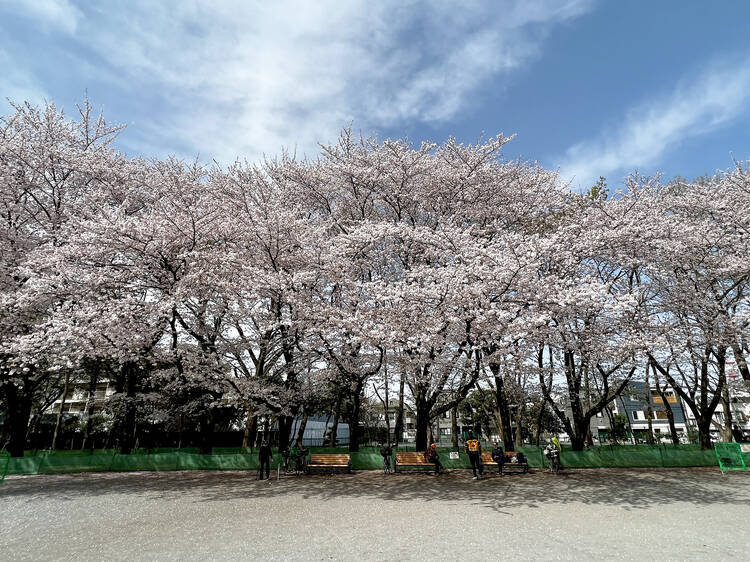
(330, 463)
(508, 464)
(412, 461)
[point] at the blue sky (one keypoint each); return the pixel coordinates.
(590, 87)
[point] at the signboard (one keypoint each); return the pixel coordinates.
(453, 455)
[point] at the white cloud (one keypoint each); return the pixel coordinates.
(695, 107)
(16, 84)
(239, 78)
(51, 14)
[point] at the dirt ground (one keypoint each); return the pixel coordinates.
(585, 514)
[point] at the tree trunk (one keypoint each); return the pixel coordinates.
(387, 402)
(519, 437)
(610, 419)
(704, 433)
(649, 409)
(423, 422)
(333, 438)
(285, 430)
(19, 413)
(251, 425)
(354, 418)
(325, 428)
(589, 435)
(580, 425)
(301, 430)
(539, 419)
(93, 372)
(578, 441)
(668, 411)
(398, 429)
(739, 359)
(206, 433)
(627, 418)
(503, 409)
(266, 428)
(672, 427)
(127, 433)
(454, 427)
(727, 433)
(58, 423)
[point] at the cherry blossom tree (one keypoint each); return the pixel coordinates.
(272, 287)
(48, 162)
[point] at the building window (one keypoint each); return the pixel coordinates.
(671, 398)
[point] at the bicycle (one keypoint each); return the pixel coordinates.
(300, 462)
(386, 451)
(553, 458)
(387, 465)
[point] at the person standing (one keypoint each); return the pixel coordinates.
(474, 450)
(264, 456)
(386, 451)
(498, 455)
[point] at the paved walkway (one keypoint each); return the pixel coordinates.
(591, 514)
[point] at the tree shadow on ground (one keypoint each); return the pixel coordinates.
(628, 488)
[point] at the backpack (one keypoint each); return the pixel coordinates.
(473, 445)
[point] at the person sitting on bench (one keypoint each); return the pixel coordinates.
(431, 455)
(498, 455)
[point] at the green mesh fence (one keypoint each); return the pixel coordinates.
(4, 462)
(222, 462)
(730, 456)
(54, 464)
(24, 465)
(156, 462)
(368, 458)
(637, 456)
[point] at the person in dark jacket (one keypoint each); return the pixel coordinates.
(431, 455)
(264, 456)
(498, 455)
(386, 451)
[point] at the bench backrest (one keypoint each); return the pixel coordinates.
(330, 459)
(411, 458)
(487, 456)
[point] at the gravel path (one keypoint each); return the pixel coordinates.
(587, 514)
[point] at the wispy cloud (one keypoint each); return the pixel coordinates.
(17, 84)
(52, 15)
(695, 107)
(246, 78)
